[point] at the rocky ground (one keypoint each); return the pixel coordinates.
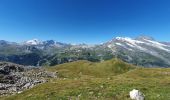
(16, 78)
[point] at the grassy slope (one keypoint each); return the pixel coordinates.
(110, 80)
(86, 68)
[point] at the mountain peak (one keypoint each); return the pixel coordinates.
(123, 38)
(49, 42)
(126, 39)
(3, 42)
(33, 42)
(143, 37)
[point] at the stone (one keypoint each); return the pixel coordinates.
(17, 78)
(136, 95)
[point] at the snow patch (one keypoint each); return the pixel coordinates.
(135, 43)
(119, 44)
(127, 39)
(33, 42)
(131, 42)
(157, 45)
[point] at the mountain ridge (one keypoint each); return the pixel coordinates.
(142, 50)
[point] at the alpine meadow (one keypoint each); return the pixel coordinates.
(84, 50)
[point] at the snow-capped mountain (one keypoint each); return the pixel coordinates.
(33, 42)
(142, 44)
(47, 43)
(142, 49)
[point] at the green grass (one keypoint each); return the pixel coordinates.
(86, 68)
(109, 80)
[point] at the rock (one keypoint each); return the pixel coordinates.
(91, 93)
(101, 86)
(17, 78)
(19, 92)
(6, 68)
(136, 95)
(78, 97)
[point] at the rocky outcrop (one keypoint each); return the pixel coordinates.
(16, 78)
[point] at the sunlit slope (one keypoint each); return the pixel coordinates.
(83, 80)
(102, 69)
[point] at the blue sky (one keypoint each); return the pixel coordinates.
(83, 21)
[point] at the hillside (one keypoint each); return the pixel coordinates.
(101, 69)
(108, 80)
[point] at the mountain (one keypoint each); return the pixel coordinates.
(33, 42)
(144, 51)
(50, 52)
(166, 43)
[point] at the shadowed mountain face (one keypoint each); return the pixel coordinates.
(143, 50)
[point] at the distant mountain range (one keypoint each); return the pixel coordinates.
(143, 51)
